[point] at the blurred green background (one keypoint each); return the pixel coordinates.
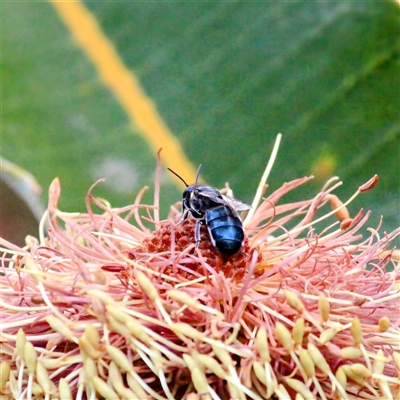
(225, 77)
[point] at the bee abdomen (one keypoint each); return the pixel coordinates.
(225, 229)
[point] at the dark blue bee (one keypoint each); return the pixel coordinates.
(218, 212)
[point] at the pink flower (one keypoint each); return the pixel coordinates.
(101, 305)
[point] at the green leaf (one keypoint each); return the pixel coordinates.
(225, 77)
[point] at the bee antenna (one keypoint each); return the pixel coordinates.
(170, 170)
(198, 173)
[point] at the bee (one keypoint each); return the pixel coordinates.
(217, 211)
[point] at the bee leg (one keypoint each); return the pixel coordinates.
(184, 216)
(197, 232)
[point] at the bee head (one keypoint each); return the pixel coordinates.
(189, 196)
(189, 200)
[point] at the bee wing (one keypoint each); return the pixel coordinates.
(235, 203)
(209, 192)
(217, 197)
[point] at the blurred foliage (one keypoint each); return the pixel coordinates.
(226, 77)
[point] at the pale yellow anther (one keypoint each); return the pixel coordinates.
(189, 361)
(33, 268)
(294, 301)
(147, 286)
(104, 389)
(327, 335)
(300, 387)
(341, 377)
(118, 327)
(43, 378)
(58, 326)
(324, 307)
(138, 331)
(182, 297)
(92, 336)
(385, 389)
(181, 328)
(259, 371)
(262, 345)
(223, 355)
(158, 360)
(234, 392)
(284, 336)
(4, 374)
(318, 358)
(89, 367)
(125, 393)
(394, 254)
(115, 374)
(87, 348)
(13, 383)
(119, 358)
(356, 330)
(307, 363)
(64, 390)
(51, 363)
(37, 390)
(234, 334)
(199, 378)
(352, 375)
(379, 363)
(20, 342)
(30, 357)
(118, 314)
(136, 388)
(298, 331)
(212, 364)
(361, 370)
(350, 352)
(102, 296)
(384, 324)
(115, 378)
(396, 359)
(281, 392)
